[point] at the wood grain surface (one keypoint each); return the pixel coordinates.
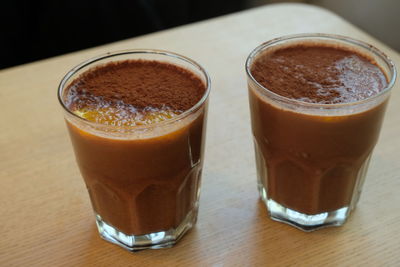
(46, 217)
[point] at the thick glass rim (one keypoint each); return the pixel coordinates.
(90, 61)
(318, 37)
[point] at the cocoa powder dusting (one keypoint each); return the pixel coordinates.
(139, 83)
(319, 73)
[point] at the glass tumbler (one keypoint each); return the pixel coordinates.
(312, 158)
(144, 180)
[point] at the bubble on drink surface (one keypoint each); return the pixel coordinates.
(358, 79)
(116, 113)
(123, 116)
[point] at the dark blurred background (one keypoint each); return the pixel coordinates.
(33, 30)
(38, 29)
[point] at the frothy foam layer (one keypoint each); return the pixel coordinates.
(133, 93)
(359, 80)
(98, 110)
(126, 117)
(319, 74)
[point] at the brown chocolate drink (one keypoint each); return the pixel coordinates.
(308, 161)
(143, 169)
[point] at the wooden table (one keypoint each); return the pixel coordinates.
(46, 216)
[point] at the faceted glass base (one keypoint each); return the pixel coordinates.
(163, 239)
(302, 221)
(306, 222)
